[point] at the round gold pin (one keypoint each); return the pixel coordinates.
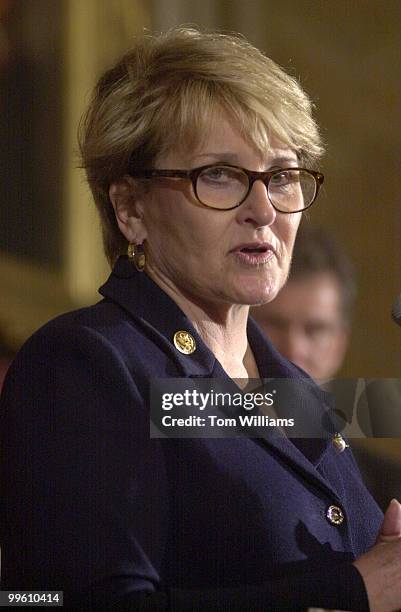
(339, 443)
(184, 342)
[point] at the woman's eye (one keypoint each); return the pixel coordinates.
(281, 178)
(216, 174)
(285, 178)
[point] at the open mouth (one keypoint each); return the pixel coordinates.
(261, 249)
(254, 254)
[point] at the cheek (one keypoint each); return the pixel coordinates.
(293, 222)
(176, 226)
(339, 348)
(286, 232)
(163, 220)
(328, 357)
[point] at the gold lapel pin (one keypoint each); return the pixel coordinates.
(184, 342)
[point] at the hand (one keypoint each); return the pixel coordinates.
(381, 566)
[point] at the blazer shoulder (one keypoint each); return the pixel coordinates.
(73, 366)
(104, 324)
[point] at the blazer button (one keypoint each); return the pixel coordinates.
(335, 515)
(184, 342)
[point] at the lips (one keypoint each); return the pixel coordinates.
(253, 248)
(254, 253)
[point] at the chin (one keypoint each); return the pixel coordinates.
(257, 293)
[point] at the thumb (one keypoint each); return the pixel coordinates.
(391, 526)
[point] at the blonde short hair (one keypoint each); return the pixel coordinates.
(162, 94)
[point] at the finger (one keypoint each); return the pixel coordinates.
(391, 526)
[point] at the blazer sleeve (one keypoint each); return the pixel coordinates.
(84, 497)
(340, 587)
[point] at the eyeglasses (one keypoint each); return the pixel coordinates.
(224, 187)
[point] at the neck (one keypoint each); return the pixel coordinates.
(222, 327)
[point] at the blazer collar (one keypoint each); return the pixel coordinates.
(153, 309)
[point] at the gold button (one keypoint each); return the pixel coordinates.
(339, 443)
(184, 342)
(335, 515)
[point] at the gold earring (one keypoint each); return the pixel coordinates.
(137, 256)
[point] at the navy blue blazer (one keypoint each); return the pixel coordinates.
(92, 506)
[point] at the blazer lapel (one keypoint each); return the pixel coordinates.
(301, 454)
(311, 404)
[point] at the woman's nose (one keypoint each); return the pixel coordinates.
(257, 208)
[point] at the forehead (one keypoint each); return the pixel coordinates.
(222, 140)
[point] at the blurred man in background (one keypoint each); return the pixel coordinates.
(310, 323)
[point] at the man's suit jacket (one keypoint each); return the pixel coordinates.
(94, 507)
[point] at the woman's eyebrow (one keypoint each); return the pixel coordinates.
(234, 158)
(223, 156)
(282, 161)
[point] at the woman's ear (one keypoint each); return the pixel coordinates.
(126, 196)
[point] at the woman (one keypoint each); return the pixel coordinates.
(190, 145)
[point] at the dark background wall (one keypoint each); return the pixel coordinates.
(31, 130)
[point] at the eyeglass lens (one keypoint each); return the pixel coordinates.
(225, 187)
